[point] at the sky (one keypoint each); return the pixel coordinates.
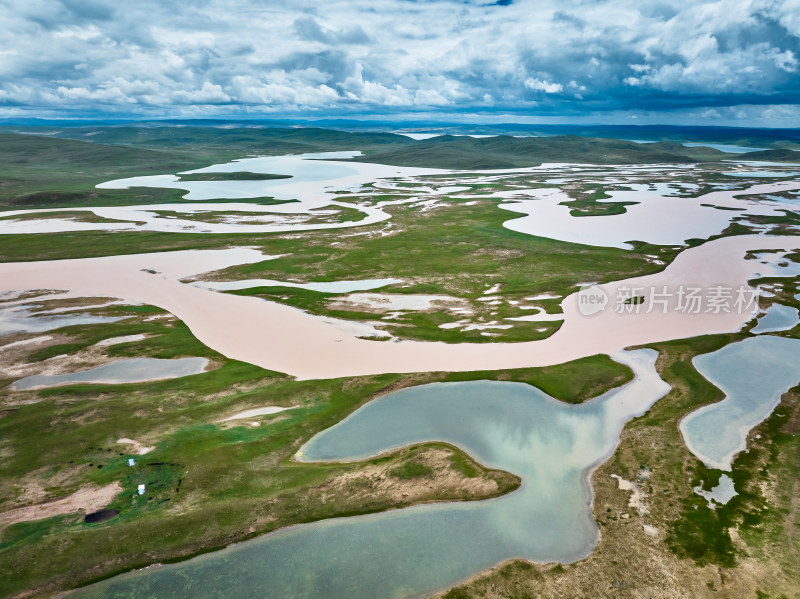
(726, 62)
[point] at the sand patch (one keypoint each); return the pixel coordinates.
(26, 342)
(388, 302)
(89, 500)
(138, 448)
(256, 412)
(637, 499)
(119, 340)
(541, 315)
(650, 531)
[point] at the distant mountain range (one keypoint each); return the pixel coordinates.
(128, 144)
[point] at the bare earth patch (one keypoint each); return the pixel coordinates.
(637, 499)
(265, 411)
(389, 302)
(88, 499)
(138, 448)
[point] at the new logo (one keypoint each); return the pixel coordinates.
(592, 300)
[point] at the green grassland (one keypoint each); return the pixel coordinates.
(783, 155)
(587, 204)
(322, 215)
(75, 215)
(209, 483)
(41, 172)
(38, 171)
(61, 168)
(243, 141)
(509, 152)
(739, 136)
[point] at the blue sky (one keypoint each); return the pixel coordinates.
(688, 62)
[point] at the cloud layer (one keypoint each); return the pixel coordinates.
(722, 59)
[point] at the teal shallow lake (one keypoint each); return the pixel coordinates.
(22, 319)
(132, 370)
(552, 446)
(777, 318)
(753, 374)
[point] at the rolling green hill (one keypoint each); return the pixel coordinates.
(61, 168)
(772, 156)
(241, 140)
(458, 152)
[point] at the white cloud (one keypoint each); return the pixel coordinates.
(786, 61)
(276, 92)
(103, 95)
(542, 85)
(356, 55)
(209, 93)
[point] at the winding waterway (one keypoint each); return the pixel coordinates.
(320, 184)
(308, 346)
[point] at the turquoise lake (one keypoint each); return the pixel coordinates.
(753, 374)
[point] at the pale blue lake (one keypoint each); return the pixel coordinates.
(777, 318)
(753, 374)
(133, 370)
